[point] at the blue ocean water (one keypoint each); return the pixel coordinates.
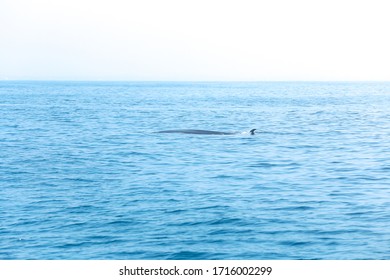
(84, 176)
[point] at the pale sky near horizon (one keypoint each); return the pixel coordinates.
(189, 40)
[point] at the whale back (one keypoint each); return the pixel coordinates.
(196, 131)
(202, 132)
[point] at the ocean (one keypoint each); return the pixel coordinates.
(83, 175)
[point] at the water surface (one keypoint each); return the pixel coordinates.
(84, 176)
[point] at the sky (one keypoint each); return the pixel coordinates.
(195, 40)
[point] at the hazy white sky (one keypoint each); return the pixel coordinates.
(195, 40)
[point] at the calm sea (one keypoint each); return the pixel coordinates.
(84, 176)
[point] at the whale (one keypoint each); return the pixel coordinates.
(202, 132)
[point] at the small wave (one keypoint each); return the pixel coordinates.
(294, 208)
(190, 255)
(225, 221)
(294, 243)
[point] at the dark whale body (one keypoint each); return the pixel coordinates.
(204, 132)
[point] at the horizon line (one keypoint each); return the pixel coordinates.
(192, 81)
